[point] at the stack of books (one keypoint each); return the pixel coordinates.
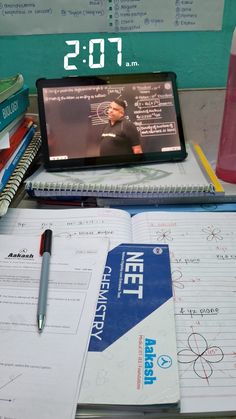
(191, 181)
(17, 143)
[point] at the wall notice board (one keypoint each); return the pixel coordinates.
(199, 56)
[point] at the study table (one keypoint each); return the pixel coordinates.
(201, 113)
(30, 203)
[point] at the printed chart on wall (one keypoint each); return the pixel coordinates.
(48, 16)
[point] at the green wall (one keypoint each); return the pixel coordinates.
(200, 59)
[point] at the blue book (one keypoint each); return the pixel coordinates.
(12, 163)
(217, 207)
(132, 358)
(13, 106)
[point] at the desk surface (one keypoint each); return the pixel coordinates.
(202, 115)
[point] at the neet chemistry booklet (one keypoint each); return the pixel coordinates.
(132, 358)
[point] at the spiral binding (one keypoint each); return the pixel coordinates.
(17, 176)
(42, 189)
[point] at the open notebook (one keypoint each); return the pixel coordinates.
(203, 264)
(191, 178)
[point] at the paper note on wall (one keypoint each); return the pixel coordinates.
(109, 16)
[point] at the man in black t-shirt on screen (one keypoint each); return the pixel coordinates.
(120, 136)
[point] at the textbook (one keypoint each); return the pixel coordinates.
(192, 177)
(10, 85)
(18, 174)
(15, 140)
(13, 106)
(9, 130)
(11, 164)
(203, 265)
(132, 358)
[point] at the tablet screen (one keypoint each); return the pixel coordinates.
(110, 120)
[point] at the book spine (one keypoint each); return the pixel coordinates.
(11, 128)
(18, 174)
(6, 173)
(13, 107)
(15, 141)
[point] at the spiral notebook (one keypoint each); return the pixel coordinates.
(18, 174)
(192, 177)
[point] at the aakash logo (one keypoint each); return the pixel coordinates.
(21, 254)
(164, 361)
(151, 360)
(149, 357)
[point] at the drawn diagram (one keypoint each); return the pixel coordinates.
(99, 113)
(177, 277)
(200, 355)
(163, 236)
(178, 280)
(9, 381)
(213, 233)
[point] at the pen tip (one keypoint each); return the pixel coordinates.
(41, 320)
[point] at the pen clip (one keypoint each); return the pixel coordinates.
(46, 242)
(42, 241)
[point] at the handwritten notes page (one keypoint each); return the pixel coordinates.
(70, 223)
(40, 374)
(203, 259)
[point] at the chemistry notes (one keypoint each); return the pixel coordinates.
(203, 260)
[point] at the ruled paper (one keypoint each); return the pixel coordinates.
(76, 222)
(203, 262)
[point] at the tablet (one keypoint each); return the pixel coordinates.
(109, 120)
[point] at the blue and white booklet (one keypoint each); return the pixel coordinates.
(132, 358)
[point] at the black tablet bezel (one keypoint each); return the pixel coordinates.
(106, 161)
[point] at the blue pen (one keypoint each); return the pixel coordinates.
(45, 252)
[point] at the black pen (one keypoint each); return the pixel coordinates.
(45, 252)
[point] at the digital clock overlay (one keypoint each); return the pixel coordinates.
(96, 53)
